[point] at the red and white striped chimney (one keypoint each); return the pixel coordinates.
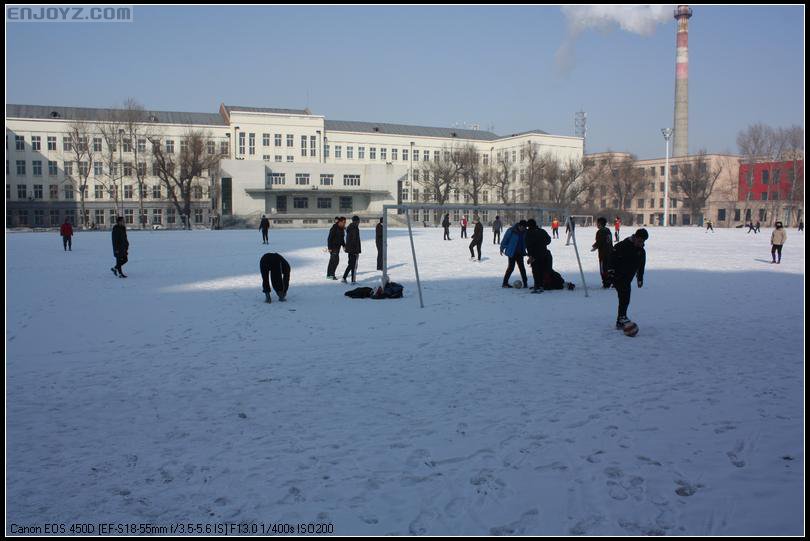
(681, 125)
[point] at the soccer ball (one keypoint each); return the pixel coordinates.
(517, 284)
(630, 329)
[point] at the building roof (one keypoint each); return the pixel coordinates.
(244, 109)
(406, 129)
(58, 112)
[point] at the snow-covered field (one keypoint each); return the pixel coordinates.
(179, 396)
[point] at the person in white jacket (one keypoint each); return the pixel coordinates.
(778, 238)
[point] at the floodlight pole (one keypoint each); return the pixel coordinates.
(667, 132)
(385, 246)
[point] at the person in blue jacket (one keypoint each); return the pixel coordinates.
(513, 246)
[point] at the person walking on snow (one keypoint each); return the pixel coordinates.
(627, 260)
(352, 248)
(276, 271)
(778, 238)
(709, 226)
(446, 226)
(750, 226)
(67, 235)
(496, 230)
(264, 225)
(477, 238)
(555, 228)
(756, 227)
(617, 225)
(120, 247)
(570, 224)
(334, 242)
(378, 240)
(464, 227)
(513, 246)
(603, 246)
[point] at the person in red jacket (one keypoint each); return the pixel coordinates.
(67, 234)
(617, 224)
(555, 228)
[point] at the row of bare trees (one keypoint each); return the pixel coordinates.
(131, 130)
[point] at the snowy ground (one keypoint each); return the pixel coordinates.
(178, 395)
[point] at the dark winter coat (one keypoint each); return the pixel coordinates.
(478, 233)
(335, 239)
(497, 226)
(536, 241)
(378, 235)
(626, 260)
(265, 224)
(119, 240)
(446, 221)
(604, 242)
(353, 239)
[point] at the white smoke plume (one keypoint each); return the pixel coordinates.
(637, 19)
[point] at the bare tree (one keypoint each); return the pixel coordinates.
(695, 179)
(82, 157)
(534, 173)
(567, 181)
(137, 131)
(793, 151)
(502, 178)
(441, 176)
(624, 179)
(472, 177)
(110, 129)
(182, 172)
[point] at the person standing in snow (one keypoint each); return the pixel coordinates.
(276, 271)
(120, 247)
(757, 226)
(477, 238)
(570, 224)
(603, 246)
(352, 247)
(513, 246)
(617, 225)
(750, 226)
(627, 260)
(446, 226)
(537, 241)
(778, 238)
(264, 226)
(800, 227)
(464, 227)
(496, 230)
(334, 242)
(555, 228)
(67, 235)
(709, 226)
(378, 240)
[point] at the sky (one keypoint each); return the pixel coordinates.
(437, 66)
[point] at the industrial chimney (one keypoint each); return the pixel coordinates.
(681, 143)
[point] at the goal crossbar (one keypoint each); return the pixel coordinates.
(457, 206)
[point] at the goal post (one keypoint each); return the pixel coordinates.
(583, 220)
(541, 214)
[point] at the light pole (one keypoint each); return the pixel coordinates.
(121, 169)
(667, 132)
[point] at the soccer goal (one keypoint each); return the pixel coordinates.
(512, 213)
(582, 220)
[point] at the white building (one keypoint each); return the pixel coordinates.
(294, 166)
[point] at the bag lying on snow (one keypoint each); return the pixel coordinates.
(360, 293)
(392, 290)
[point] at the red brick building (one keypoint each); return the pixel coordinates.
(772, 191)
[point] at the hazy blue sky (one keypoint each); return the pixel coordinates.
(426, 65)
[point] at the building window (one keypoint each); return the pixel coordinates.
(290, 159)
(277, 159)
(393, 154)
(277, 178)
(171, 215)
(345, 204)
(290, 141)
(99, 217)
(53, 191)
(324, 202)
(405, 154)
(721, 215)
(37, 191)
(327, 180)
(20, 168)
(302, 179)
(197, 192)
(252, 144)
(265, 139)
(277, 139)
(765, 176)
(36, 142)
(372, 153)
(349, 153)
(383, 154)
(128, 191)
(51, 143)
(763, 196)
(198, 216)
(98, 191)
(304, 145)
(156, 191)
(36, 168)
(241, 143)
(19, 142)
(300, 202)
(157, 216)
(129, 216)
(640, 204)
(351, 180)
(169, 146)
(68, 191)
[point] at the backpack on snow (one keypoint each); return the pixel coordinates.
(360, 293)
(392, 290)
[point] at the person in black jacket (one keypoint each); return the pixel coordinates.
(264, 226)
(446, 226)
(477, 238)
(603, 246)
(378, 240)
(537, 241)
(334, 242)
(496, 230)
(626, 261)
(276, 268)
(352, 248)
(120, 247)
